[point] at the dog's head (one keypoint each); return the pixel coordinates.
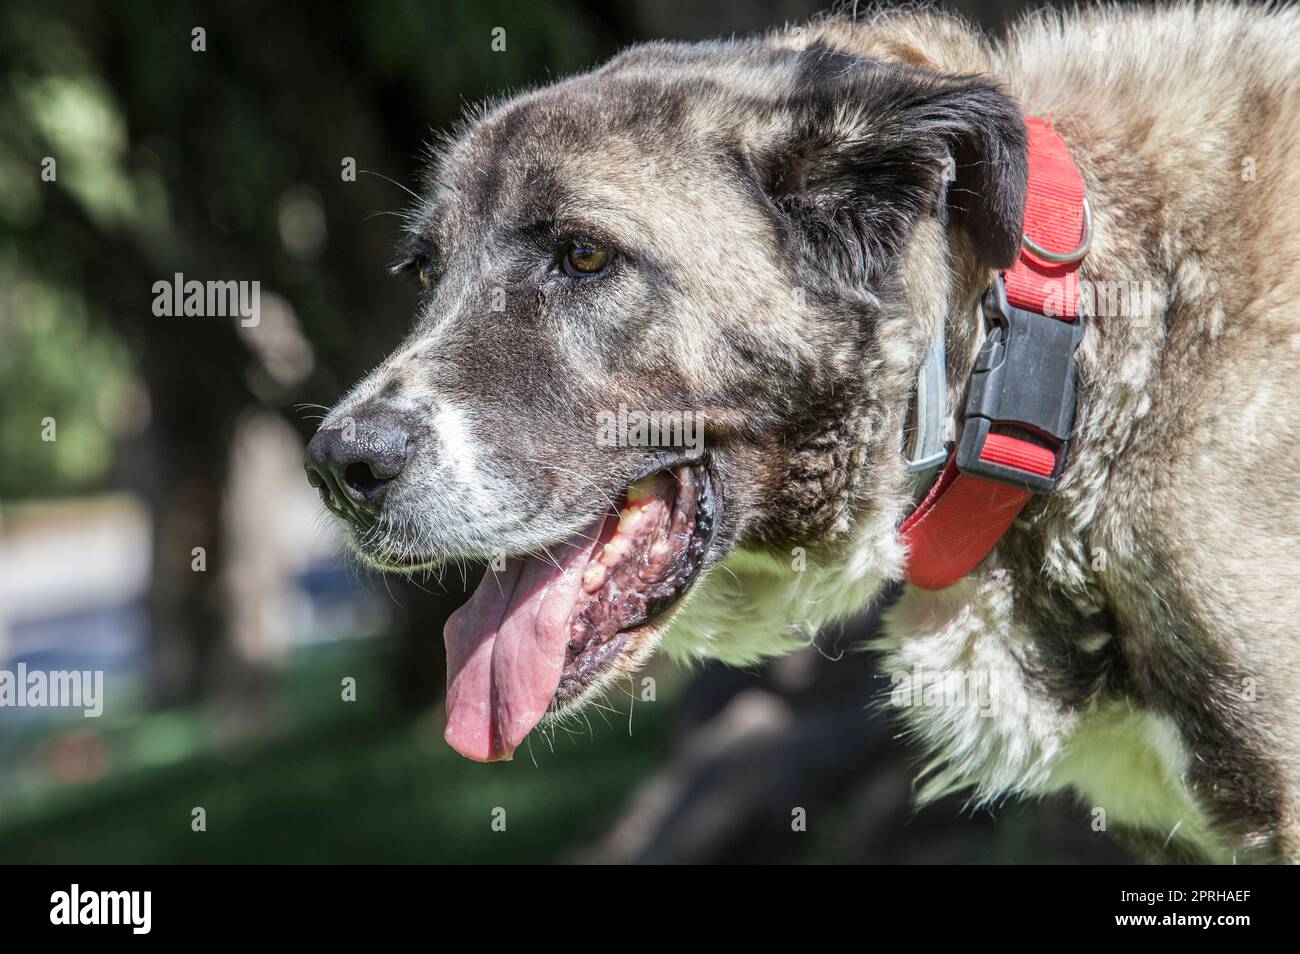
(671, 314)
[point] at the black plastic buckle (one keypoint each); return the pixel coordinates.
(1024, 377)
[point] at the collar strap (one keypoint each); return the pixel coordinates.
(1021, 402)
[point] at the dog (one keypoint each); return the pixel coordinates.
(762, 238)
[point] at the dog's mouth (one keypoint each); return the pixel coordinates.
(539, 633)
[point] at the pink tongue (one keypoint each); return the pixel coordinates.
(506, 647)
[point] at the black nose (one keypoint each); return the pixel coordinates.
(356, 460)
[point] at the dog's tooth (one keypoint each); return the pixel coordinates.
(594, 578)
(613, 551)
(628, 517)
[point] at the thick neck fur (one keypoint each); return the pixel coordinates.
(1099, 631)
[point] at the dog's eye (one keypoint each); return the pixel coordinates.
(584, 258)
(428, 273)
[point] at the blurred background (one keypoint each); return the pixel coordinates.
(155, 522)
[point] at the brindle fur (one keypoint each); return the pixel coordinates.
(788, 248)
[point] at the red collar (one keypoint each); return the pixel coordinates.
(1020, 407)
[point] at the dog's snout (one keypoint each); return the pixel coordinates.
(354, 462)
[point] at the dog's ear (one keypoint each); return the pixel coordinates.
(865, 149)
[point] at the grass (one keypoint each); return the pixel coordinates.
(355, 782)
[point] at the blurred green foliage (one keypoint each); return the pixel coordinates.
(59, 358)
(126, 156)
(56, 365)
